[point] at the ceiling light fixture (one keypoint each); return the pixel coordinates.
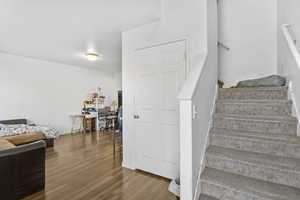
(92, 56)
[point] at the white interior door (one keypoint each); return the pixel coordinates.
(160, 73)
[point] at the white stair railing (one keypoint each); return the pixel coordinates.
(291, 66)
(291, 42)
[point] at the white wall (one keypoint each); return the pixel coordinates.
(180, 20)
(47, 93)
(249, 29)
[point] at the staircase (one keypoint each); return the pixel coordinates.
(254, 153)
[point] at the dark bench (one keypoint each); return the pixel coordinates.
(22, 170)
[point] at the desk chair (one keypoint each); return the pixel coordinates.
(75, 119)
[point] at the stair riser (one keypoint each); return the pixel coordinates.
(225, 193)
(259, 146)
(204, 197)
(258, 171)
(254, 109)
(272, 127)
(254, 95)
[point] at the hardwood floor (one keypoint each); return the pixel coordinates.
(82, 167)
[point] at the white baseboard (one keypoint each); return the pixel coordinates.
(65, 133)
(127, 166)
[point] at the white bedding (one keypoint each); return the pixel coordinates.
(10, 130)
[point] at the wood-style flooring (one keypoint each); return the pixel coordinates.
(82, 167)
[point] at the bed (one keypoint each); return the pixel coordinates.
(49, 138)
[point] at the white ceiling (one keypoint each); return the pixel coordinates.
(63, 30)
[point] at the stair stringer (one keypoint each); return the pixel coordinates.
(207, 142)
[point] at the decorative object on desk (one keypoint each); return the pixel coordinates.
(88, 110)
(95, 100)
(88, 106)
(99, 91)
(114, 105)
(99, 99)
(99, 102)
(100, 94)
(91, 96)
(88, 102)
(107, 109)
(270, 81)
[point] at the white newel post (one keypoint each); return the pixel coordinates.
(186, 154)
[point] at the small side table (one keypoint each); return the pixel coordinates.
(75, 119)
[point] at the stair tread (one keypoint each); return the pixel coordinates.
(265, 102)
(283, 163)
(257, 117)
(282, 138)
(205, 197)
(250, 185)
(253, 88)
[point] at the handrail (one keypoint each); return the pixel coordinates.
(189, 87)
(292, 71)
(220, 44)
(291, 43)
(292, 33)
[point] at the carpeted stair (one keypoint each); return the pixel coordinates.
(254, 153)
